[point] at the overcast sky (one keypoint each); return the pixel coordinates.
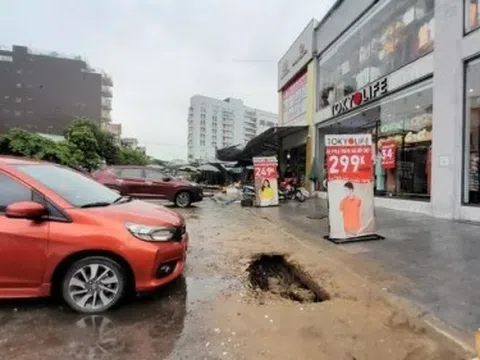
(161, 52)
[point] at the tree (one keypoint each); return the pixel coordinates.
(82, 136)
(129, 156)
(106, 147)
(85, 146)
(158, 162)
(23, 143)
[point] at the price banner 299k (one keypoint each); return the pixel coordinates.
(350, 186)
(266, 180)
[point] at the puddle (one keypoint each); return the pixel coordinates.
(148, 327)
(272, 273)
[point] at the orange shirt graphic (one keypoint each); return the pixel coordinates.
(350, 208)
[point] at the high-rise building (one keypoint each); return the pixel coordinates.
(115, 130)
(43, 93)
(214, 123)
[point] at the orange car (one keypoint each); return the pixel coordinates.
(63, 233)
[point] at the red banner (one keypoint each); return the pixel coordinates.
(389, 158)
(265, 169)
(352, 163)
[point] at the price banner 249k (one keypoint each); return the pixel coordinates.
(266, 180)
(350, 185)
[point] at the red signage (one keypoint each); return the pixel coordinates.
(265, 168)
(389, 158)
(349, 163)
(371, 92)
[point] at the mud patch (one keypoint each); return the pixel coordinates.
(272, 273)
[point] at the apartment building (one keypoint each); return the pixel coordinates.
(114, 129)
(130, 142)
(44, 92)
(215, 123)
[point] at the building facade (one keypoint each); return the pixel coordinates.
(408, 73)
(296, 91)
(130, 142)
(114, 129)
(214, 123)
(45, 92)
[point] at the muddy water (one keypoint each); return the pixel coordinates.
(154, 326)
(212, 313)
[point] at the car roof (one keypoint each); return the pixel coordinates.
(16, 160)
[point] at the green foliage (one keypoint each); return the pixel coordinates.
(129, 156)
(106, 147)
(159, 162)
(86, 145)
(24, 143)
(85, 141)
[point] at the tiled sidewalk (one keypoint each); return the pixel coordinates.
(440, 257)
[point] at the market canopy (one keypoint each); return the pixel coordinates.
(265, 144)
(187, 168)
(208, 167)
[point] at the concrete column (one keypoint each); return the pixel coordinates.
(447, 110)
(280, 109)
(321, 153)
(310, 119)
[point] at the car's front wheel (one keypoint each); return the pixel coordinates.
(183, 199)
(93, 284)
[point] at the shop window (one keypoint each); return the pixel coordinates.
(394, 34)
(472, 15)
(471, 191)
(401, 127)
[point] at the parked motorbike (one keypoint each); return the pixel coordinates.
(248, 195)
(289, 189)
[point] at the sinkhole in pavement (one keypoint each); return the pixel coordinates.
(274, 274)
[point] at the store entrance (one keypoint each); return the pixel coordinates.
(294, 160)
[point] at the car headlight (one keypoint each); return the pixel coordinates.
(150, 233)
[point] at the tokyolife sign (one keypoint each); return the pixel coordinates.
(348, 140)
(371, 92)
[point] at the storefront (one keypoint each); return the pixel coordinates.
(391, 35)
(293, 155)
(471, 176)
(296, 89)
(369, 67)
(376, 78)
(401, 125)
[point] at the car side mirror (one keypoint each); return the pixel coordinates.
(25, 210)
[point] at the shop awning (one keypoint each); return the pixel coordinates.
(265, 144)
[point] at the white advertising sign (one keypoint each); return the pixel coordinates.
(266, 180)
(350, 186)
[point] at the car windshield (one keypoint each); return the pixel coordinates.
(75, 188)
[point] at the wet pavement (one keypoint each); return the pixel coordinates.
(212, 313)
(439, 257)
(167, 324)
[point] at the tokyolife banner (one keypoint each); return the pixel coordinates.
(266, 180)
(350, 185)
